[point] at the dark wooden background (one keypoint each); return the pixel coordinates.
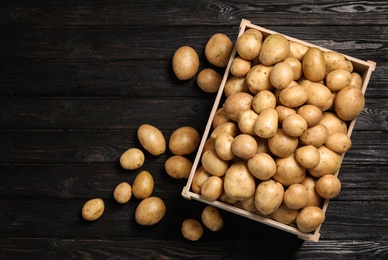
(77, 78)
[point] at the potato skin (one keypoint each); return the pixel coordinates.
(185, 63)
(132, 159)
(349, 103)
(184, 140)
(123, 192)
(211, 218)
(143, 185)
(93, 209)
(218, 50)
(150, 211)
(178, 167)
(275, 48)
(152, 139)
(313, 64)
(191, 229)
(209, 80)
(328, 186)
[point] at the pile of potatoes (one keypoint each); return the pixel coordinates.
(277, 141)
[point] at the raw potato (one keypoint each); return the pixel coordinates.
(289, 171)
(318, 95)
(150, 211)
(178, 167)
(356, 80)
(266, 123)
(294, 125)
(200, 176)
(209, 80)
(123, 192)
(329, 162)
(349, 103)
(143, 185)
(307, 156)
(234, 85)
(258, 79)
(244, 146)
(218, 50)
(240, 67)
(281, 75)
(246, 121)
(316, 135)
(297, 50)
(223, 146)
(338, 79)
(212, 188)
(236, 103)
(310, 218)
(132, 159)
(333, 123)
(268, 196)
(283, 112)
(152, 139)
(295, 197)
(184, 140)
(262, 166)
(275, 48)
(312, 114)
(211, 218)
(296, 66)
(220, 117)
(191, 229)
(284, 214)
(227, 127)
(335, 60)
(263, 100)
(328, 186)
(293, 96)
(313, 64)
(338, 142)
(313, 197)
(248, 45)
(213, 163)
(185, 63)
(93, 209)
(281, 144)
(239, 183)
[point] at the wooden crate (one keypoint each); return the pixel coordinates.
(364, 68)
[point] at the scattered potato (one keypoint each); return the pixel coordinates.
(310, 218)
(191, 229)
(185, 63)
(218, 50)
(93, 209)
(209, 80)
(143, 185)
(328, 186)
(123, 192)
(211, 218)
(132, 159)
(150, 211)
(178, 167)
(152, 139)
(184, 140)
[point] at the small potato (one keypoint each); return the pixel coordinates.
(220, 117)
(236, 103)
(338, 142)
(234, 85)
(275, 48)
(296, 66)
(150, 211)
(178, 167)
(328, 186)
(333, 123)
(268, 196)
(239, 183)
(356, 80)
(329, 162)
(248, 45)
(185, 63)
(200, 176)
(335, 60)
(297, 50)
(132, 159)
(281, 75)
(218, 50)
(211, 218)
(288, 170)
(246, 121)
(143, 185)
(191, 229)
(338, 79)
(152, 139)
(213, 163)
(123, 192)
(257, 78)
(310, 218)
(284, 214)
(263, 100)
(307, 156)
(209, 80)
(293, 96)
(184, 140)
(244, 146)
(283, 112)
(266, 123)
(313, 64)
(212, 188)
(315, 135)
(262, 166)
(93, 209)
(223, 146)
(294, 125)
(312, 114)
(313, 197)
(227, 127)
(295, 197)
(281, 144)
(249, 204)
(240, 67)
(349, 103)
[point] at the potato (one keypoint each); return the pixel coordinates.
(288, 170)
(281, 75)
(310, 218)
(200, 176)
(234, 85)
(355, 80)
(152, 139)
(224, 198)
(123, 192)
(185, 63)
(218, 50)
(266, 123)
(211, 218)
(318, 95)
(335, 60)
(283, 112)
(329, 162)
(333, 123)
(262, 145)
(93, 209)
(296, 66)
(227, 127)
(240, 67)
(268, 196)
(258, 79)
(184, 140)
(209, 145)
(313, 197)
(338, 142)
(307, 156)
(236, 103)
(248, 46)
(246, 121)
(297, 50)
(349, 103)
(191, 229)
(294, 125)
(275, 48)
(262, 166)
(150, 211)
(328, 186)
(284, 214)
(249, 204)
(143, 185)
(213, 163)
(263, 100)
(313, 64)
(281, 144)
(338, 79)
(132, 159)
(209, 80)
(239, 183)
(312, 114)
(293, 96)
(212, 188)
(223, 146)
(178, 167)
(244, 146)
(255, 31)
(316, 135)
(295, 197)
(220, 117)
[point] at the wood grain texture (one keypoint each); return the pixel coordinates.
(77, 78)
